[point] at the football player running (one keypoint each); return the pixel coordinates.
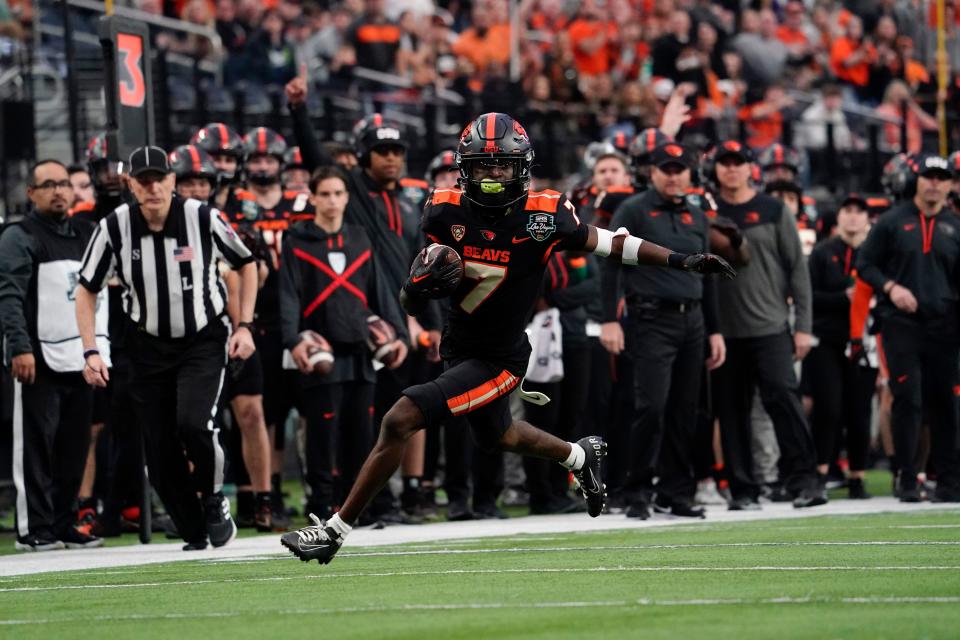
(504, 234)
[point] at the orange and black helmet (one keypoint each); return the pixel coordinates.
(495, 139)
(218, 138)
(190, 161)
(263, 141)
(643, 145)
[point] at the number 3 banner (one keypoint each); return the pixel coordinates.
(127, 84)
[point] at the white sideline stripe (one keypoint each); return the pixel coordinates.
(468, 606)
(449, 572)
(641, 547)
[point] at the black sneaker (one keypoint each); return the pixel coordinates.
(946, 494)
(743, 504)
(199, 545)
(220, 526)
(911, 494)
(313, 542)
(638, 510)
(38, 542)
(489, 512)
(590, 476)
(73, 538)
(811, 497)
(856, 490)
(458, 512)
(686, 510)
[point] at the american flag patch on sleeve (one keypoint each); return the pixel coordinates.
(183, 254)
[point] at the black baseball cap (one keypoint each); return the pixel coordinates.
(733, 148)
(857, 199)
(148, 159)
(672, 153)
(929, 165)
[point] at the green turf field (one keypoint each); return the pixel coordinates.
(877, 576)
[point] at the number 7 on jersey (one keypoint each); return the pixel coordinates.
(488, 277)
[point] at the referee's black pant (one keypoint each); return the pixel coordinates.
(666, 347)
(766, 363)
(176, 385)
(923, 379)
(51, 434)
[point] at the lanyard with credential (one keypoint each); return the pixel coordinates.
(927, 236)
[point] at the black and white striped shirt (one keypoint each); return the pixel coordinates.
(171, 285)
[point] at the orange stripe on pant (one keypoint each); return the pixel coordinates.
(483, 394)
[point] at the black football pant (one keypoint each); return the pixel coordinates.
(123, 473)
(546, 480)
(176, 386)
(923, 378)
(469, 465)
(51, 434)
(666, 346)
(766, 363)
(610, 407)
(339, 437)
(842, 394)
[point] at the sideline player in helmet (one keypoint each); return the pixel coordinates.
(640, 149)
(195, 172)
(226, 149)
(295, 176)
(505, 235)
(443, 172)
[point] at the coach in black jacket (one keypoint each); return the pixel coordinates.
(912, 260)
(329, 284)
(669, 315)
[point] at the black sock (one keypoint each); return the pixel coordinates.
(262, 498)
(245, 503)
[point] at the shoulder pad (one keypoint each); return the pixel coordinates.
(446, 196)
(414, 182)
(626, 189)
(82, 207)
(546, 200)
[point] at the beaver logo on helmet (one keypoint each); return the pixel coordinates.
(494, 156)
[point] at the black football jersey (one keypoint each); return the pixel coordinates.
(504, 259)
(267, 227)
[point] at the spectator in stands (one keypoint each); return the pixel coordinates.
(951, 38)
(667, 48)
(232, 33)
(591, 37)
(195, 12)
(375, 39)
(793, 34)
(9, 27)
(897, 105)
(764, 56)
(269, 56)
(250, 14)
(764, 119)
(909, 69)
(850, 58)
(827, 109)
(486, 41)
(325, 48)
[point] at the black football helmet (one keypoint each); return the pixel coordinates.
(446, 160)
(376, 131)
(263, 142)
(954, 161)
(643, 145)
(293, 159)
(897, 176)
(621, 142)
(216, 138)
(104, 172)
(494, 138)
(778, 155)
(190, 161)
(595, 151)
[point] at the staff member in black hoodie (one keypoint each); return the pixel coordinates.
(327, 280)
(842, 389)
(911, 259)
(667, 328)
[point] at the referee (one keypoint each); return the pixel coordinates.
(164, 250)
